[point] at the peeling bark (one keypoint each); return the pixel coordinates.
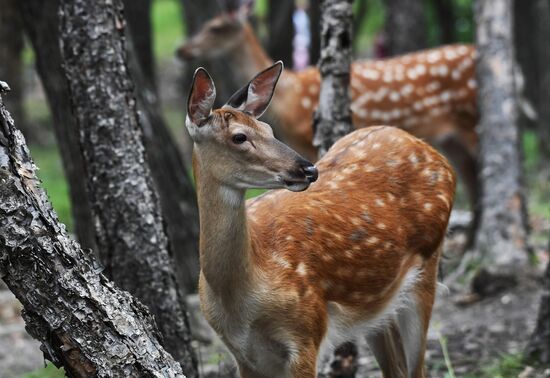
(501, 238)
(84, 322)
(332, 119)
(131, 236)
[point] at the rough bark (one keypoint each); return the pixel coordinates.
(281, 30)
(83, 321)
(41, 23)
(138, 15)
(538, 348)
(11, 63)
(405, 26)
(501, 238)
(176, 192)
(131, 237)
(332, 119)
(314, 12)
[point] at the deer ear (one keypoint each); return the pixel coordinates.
(254, 97)
(201, 98)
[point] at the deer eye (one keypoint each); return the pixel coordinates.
(239, 138)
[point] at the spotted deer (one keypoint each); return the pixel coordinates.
(431, 94)
(294, 271)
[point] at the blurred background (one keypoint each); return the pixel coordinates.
(286, 29)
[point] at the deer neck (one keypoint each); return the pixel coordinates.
(249, 56)
(225, 245)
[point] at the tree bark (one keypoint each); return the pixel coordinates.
(314, 12)
(446, 20)
(538, 348)
(501, 238)
(83, 321)
(11, 63)
(405, 26)
(332, 119)
(138, 15)
(131, 237)
(281, 30)
(195, 15)
(176, 192)
(41, 25)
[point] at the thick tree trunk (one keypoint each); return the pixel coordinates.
(195, 15)
(177, 195)
(84, 322)
(314, 12)
(41, 24)
(138, 15)
(538, 348)
(446, 20)
(11, 63)
(405, 26)
(281, 30)
(501, 238)
(332, 119)
(131, 237)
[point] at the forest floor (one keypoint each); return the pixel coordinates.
(482, 338)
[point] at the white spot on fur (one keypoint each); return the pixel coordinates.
(306, 102)
(301, 269)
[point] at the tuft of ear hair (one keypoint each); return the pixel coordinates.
(201, 97)
(254, 97)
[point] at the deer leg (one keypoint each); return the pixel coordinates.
(305, 365)
(387, 347)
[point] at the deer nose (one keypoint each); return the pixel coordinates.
(311, 173)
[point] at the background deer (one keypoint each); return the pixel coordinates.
(431, 94)
(287, 273)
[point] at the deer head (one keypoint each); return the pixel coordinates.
(217, 36)
(236, 149)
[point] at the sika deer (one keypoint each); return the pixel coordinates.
(431, 94)
(288, 273)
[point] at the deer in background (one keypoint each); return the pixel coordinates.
(294, 270)
(431, 94)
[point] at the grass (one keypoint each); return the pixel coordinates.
(50, 371)
(507, 366)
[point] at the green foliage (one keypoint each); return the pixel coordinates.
(50, 371)
(507, 366)
(168, 27)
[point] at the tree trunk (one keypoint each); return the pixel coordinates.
(501, 238)
(446, 20)
(138, 15)
(41, 25)
(84, 322)
(195, 15)
(11, 63)
(132, 241)
(176, 192)
(538, 348)
(541, 19)
(332, 119)
(281, 30)
(405, 26)
(314, 12)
